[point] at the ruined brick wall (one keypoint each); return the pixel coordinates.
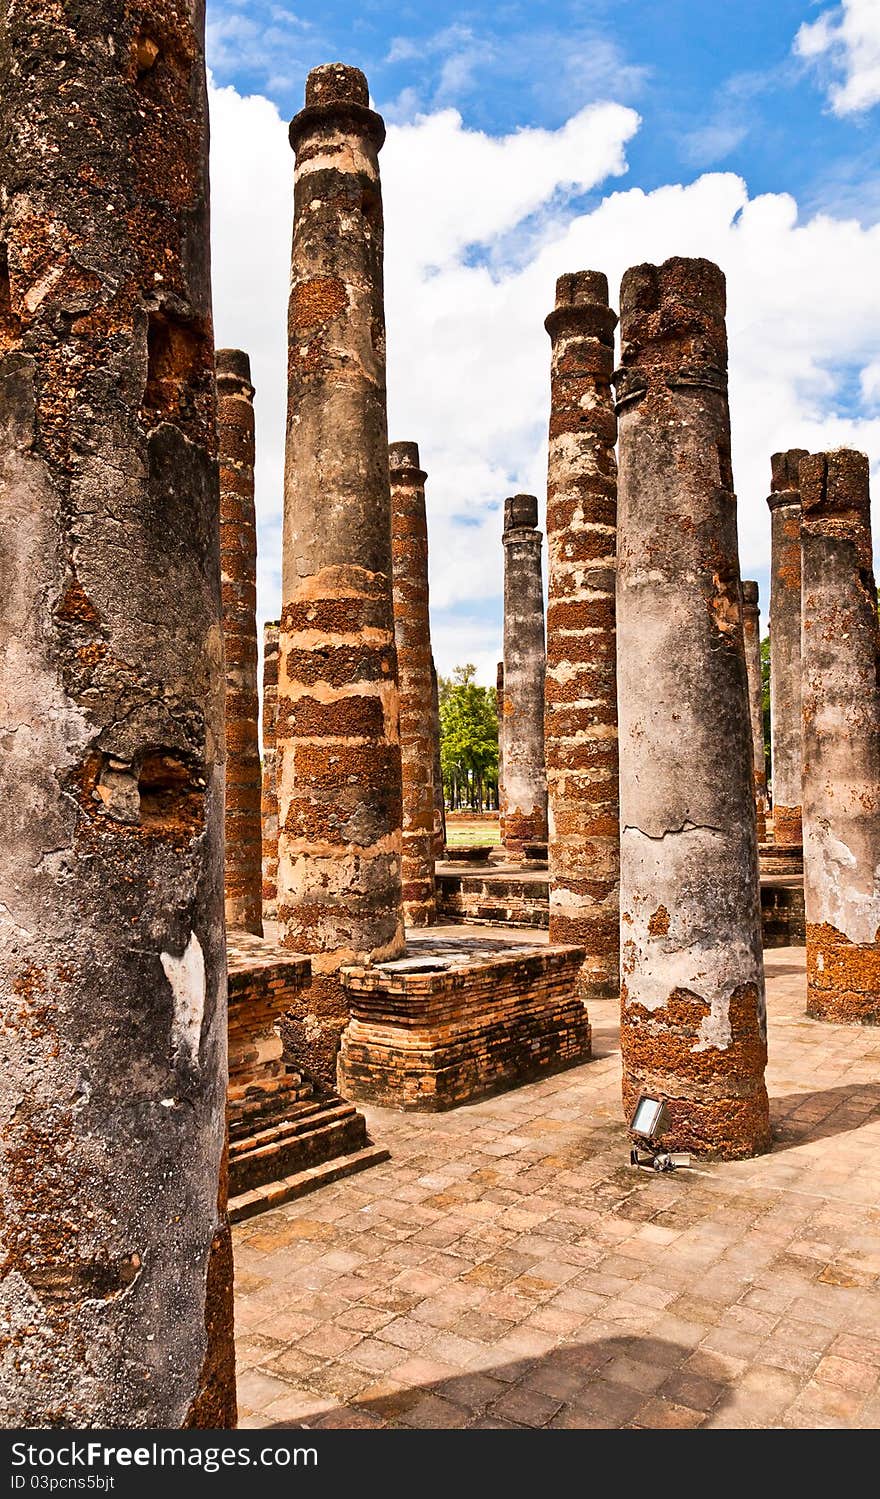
(238, 570)
(785, 645)
(116, 1289)
(841, 708)
(412, 634)
(269, 789)
(693, 1026)
(524, 817)
(752, 641)
(581, 692)
(338, 746)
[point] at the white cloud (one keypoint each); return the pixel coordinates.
(477, 230)
(845, 43)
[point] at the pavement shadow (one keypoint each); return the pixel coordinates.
(615, 1382)
(801, 1118)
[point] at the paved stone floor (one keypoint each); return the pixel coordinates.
(508, 1268)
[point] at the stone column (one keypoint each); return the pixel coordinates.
(269, 788)
(238, 570)
(525, 783)
(752, 638)
(785, 646)
(439, 799)
(581, 691)
(116, 1281)
(338, 747)
(412, 634)
(841, 705)
(693, 1025)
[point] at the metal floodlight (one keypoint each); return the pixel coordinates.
(650, 1118)
(648, 1123)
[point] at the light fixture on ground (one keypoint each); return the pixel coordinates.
(648, 1123)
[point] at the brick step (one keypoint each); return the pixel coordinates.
(325, 1136)
(295, 1122)
(286, 1189)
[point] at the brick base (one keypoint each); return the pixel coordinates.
(459, 1018)
(281, 1123)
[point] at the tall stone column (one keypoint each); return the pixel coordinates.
(785, 645)
(338, 746)
(752, 639)
(269, 788)
(841, 705)
(524, 819)
(439, 799)
(693, 1025)
(412, 634)
(581, 692)
(238, 570)
(116, 1274)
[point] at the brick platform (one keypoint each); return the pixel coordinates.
(510, 895)
(286, 1135)
(458, 1018)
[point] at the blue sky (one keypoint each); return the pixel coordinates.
(747, 132)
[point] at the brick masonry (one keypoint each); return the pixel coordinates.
(269, 786)
(752, 639)
(459, 1018)
(784, 501)
(524, 810)
(238, 570)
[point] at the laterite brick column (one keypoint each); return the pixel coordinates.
(269, 789)
(524, 819)
(238, 570)
(785, 646)
(693, 1025)
(581, 691)
(412, 634)
(338, 745)
(841, 704)
(752, 639)
(116, 1274)
(439, 798)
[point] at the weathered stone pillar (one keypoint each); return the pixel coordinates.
(693, 1027)
(841, 705)
(412, 635)
(238, 570)
(269, 788)
(785, 646)
(116, 1273)
(338, 747)
(439, 799)
(524, 819)
(752, 639)
(581, 692)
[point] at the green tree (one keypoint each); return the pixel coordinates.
(765, 700)
(468, 740)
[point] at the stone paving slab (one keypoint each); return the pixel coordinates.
(507, 1268)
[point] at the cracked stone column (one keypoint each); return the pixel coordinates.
(338, 745)
(581, 690)
(693, 1024)
(116, 1276)
(524, 819)
(238, 570)
(841, 706)
(752, 638)
(439, 799)
(269, 788)
(412, 634)
(785, 646)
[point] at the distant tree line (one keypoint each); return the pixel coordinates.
(468, 741)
